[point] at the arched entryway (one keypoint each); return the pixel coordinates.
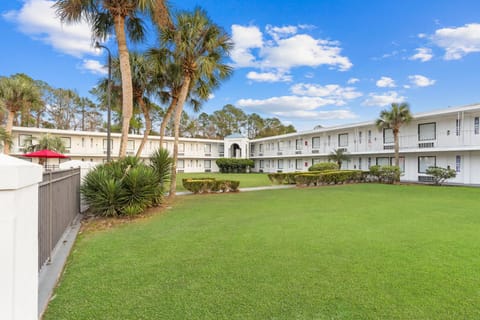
(235, 151)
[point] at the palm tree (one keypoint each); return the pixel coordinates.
(117, 15)
(16, 94)
(199, 46)
(5, 138)
(339, 156)
(46, 141)
(397, 116)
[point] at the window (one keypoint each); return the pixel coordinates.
(426, 131)
(343, 140)
(315, 161)
(208, 148)
(458, 126)
(280, 163)
(207, 164)
(383, 161)
(131, 145)
(180, 164)
(359, 137)
(426, 162)
(329, 140)
(260, 148)
(181, 147)
(369, 162)
(476, 123)
(388, 136)
(298, 144)
(458, 163)
(359, 163)
(369, 136)
(83, 142)
(299, 164)
(91, 143)
(315, 142)
(261, 164)
(105, 144)
(280, 145)
(24, 140)
(67, 141)
(401, 163)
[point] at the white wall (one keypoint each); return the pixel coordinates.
(18, 238)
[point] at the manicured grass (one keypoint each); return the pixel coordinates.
(247, 180)
(344, 252)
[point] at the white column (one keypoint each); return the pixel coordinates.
(18, 238)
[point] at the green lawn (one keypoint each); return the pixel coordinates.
(247, 180)
(343, 252)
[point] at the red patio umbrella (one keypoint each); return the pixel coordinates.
(44, 154)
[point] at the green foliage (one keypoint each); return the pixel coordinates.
(339, 156)
(386, 174)
(5, 138)
(440, 175)
(207, 185)
(124, 187)
(47, 141)
(231, 165)
(329, 177)
(282, 178)
(161, 163)
(322, 166)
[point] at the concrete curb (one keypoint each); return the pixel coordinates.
(50, 273)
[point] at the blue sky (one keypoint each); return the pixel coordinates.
(305, 62)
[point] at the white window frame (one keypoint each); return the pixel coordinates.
(316, 143)
(423, 169)
(422, 136)
(343, 140)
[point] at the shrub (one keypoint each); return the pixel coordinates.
(123, 187)
(389, 174)
(329, 177)
(283, 178)
(375, 172)
(230, 165)
(323, 166)
(440, 175)
(206, 185)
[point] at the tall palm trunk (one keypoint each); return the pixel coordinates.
(148, 125)
(8, 129)
(127, 90)
(166, 118)
(397, 147)
(178, 117)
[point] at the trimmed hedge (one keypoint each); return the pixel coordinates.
(330, 177)
(323, 166)
(230, 165)
(207, 185)
(386, 174)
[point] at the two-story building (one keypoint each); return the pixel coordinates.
(446, 138)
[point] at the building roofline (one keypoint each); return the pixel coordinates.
(420, 115)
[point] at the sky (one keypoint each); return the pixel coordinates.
(308, 63)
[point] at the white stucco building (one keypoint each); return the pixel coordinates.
(447, 138)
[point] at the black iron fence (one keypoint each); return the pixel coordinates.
(58, 205)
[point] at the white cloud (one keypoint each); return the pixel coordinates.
(211, 96)
(458, 42)
(421, 81)
(269, 76)
(381, 100)
(93, 66)
(423, 54)
(295, 107)
(353, 80)
(318, 115)
(304, 50)
(386, 82)
(245, 39)
(38, 20)
(332, 92)
(285, 50)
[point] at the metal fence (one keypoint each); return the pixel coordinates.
(58, 205)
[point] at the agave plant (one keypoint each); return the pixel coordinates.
(161, 162)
